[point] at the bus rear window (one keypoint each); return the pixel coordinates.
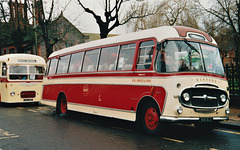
(18, 72)
(36, 72)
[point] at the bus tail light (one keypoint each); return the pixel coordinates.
(28, 94)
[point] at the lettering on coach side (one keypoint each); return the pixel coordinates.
(142, 80)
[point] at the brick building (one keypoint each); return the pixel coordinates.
(62, 29)
(228, 57)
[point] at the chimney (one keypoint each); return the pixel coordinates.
(37, 11)
(17, 12)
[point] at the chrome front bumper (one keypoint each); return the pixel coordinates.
(193, 119)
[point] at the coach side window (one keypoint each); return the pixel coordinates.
(52, 66)
(108, 59)
(90, 60)
(76, 62)
(126, 55)
(145, 55)
(63, 64)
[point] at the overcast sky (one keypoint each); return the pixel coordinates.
(82, 20)
(85, 21)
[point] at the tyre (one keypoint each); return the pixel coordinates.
(61, 106)
(149, 121)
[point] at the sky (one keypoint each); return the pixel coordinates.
(85, 21)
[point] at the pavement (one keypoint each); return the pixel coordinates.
(234, 116)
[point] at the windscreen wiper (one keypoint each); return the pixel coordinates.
(191, 46)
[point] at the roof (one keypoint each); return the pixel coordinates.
(22, 59)
(159, 33)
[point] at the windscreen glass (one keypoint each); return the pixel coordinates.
(184, 56)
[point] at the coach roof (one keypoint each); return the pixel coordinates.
(160, 33)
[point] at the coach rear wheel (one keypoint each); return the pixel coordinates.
(149, 118)
(62, 106)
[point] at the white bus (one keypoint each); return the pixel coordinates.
(21, 78)
(169, 73)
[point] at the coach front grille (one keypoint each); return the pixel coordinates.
(203, 98)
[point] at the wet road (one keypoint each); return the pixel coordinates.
(38, 127)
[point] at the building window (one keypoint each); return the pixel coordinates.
(12, 51)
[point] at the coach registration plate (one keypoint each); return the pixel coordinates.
(206, 119)
(28, 100)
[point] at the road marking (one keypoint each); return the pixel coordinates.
(20, 108)
(10, 137)
(32, 110)
(122, 129)
(7, 135)
(238, 133)
(89, 121)
(213, 149)
(174, 140)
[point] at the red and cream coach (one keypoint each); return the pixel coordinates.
(169, 73)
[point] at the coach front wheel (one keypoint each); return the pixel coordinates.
(149, 120)
(62, 106)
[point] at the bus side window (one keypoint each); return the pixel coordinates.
(126, 56)
(63, 64)
(108, 59)
(145, 55)
(76, 62)
(4, 69)
(90, 61)
(52, 66)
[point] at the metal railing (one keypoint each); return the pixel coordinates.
(233, 77)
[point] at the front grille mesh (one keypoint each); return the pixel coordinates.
(203, 98)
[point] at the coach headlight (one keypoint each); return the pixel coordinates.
(186, 97)
(12, 93)
(223, 98)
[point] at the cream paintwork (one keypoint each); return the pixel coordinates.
(160, 33)
(172, 102)
(113, 113)
(168, 83)
(14, 59)
(20, 85)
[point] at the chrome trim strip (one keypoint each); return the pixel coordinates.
(205, 97)
(179, 119)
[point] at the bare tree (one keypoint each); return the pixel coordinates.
(47, 23)
(14, 24)
(169, 12)
(227, 14)
(112, 12)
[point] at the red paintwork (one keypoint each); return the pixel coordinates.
(125, 97)
(182, 31)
